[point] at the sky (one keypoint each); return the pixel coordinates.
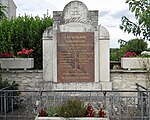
(110, 13)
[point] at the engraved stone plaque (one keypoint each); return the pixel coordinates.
(75, 12)
(75, 56)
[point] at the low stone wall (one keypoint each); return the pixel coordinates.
(121, 79)
(28, 80)
(126, 79)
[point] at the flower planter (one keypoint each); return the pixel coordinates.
(135, 63)
(17, 63)
(78, 118)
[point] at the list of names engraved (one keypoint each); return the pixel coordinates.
(75, 57)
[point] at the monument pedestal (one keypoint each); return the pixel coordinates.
(81, 86)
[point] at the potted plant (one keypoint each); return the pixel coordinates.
(72, 109)
(132, 61)
(23, 61)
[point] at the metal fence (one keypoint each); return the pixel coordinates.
(120, 105)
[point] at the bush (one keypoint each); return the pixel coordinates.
(72, 108)
(114, 54)
(9, 86)
(24, 32)
(3, 84)
(53, 111)
(136, 45)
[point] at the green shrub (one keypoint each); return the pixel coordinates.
(3, 84)
(2, 11)
(53, 111)
(72, 108)
(11, 86)
(114, 54)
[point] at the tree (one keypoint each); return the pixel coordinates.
(2, 11)
(141, 27)
(133, 45)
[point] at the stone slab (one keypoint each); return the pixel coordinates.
(83, 86)
(77, 118)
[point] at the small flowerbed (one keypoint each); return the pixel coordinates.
(24, 53)
(75, 109)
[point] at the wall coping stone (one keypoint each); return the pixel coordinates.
(41, 71)
(128, 71)
(21, 71)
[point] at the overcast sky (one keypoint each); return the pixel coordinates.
(110, 13)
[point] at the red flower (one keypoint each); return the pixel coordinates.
(42, 113)
(6, 55)
(19, 53)
(23, 49)
(25, 53)
(90, 112)
(130, 54)
(31, 50)
(101, 113)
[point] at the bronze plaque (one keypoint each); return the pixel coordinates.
(75, 57)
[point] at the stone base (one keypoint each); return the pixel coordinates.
(82, 86)
(79, 118)
(106, 85)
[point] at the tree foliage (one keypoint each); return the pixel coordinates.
(141, 27)
(24, 32)
(114, 54)
(2, 11)
(133, 45)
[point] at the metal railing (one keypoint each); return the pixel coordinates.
(120, 105)
(142, 102)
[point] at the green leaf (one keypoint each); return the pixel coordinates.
(133, 8)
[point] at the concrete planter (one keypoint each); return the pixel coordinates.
(79, 118)
(135, 63)
(17, 63)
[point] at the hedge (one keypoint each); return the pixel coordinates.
(24, 32)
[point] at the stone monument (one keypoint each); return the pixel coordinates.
(76, 50)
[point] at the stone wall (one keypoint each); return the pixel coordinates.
(28, 80)
(121, 79)
(126, 79)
